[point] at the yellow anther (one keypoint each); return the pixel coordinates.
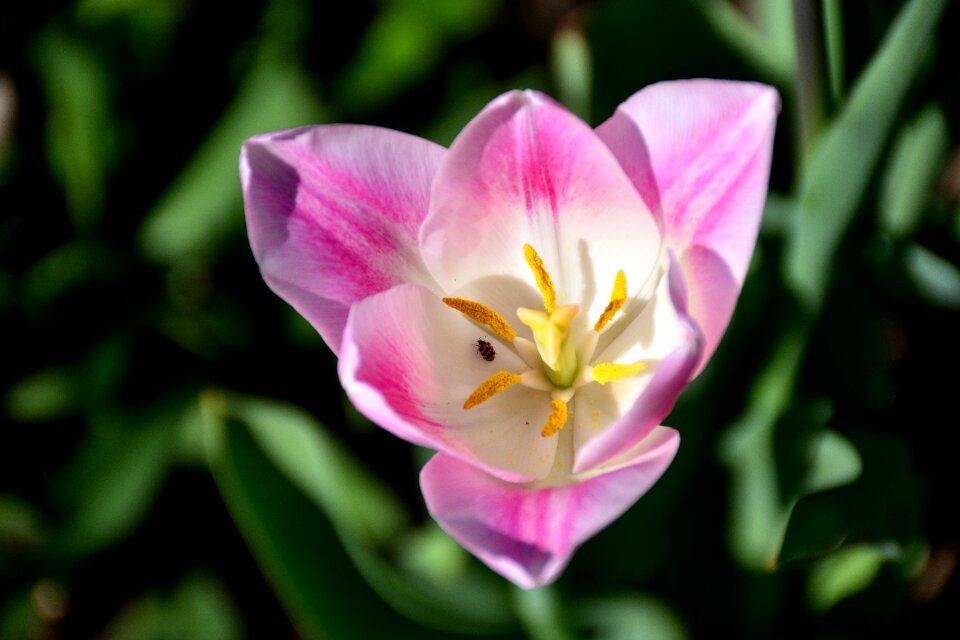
(544, 283)
(482, 314)
(558, 418)
(611, 371)
(491, 387)
(617, 298)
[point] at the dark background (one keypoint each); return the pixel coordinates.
(144, 360)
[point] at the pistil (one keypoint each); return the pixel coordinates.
(551, 334)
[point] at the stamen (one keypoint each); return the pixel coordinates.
(482, 314)
(490, 387)
(617, 298)
(611, 371)
(558, 418)
(544, 283)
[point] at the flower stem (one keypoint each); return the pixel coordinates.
(541, 614)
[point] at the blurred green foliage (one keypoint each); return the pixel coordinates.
(176, 457)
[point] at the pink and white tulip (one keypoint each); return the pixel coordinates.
(601, 266)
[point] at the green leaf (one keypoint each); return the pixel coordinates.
(914, 164)
(834, 462)
(322, 468)
(881, 504)
(843, 160)
(141, 619)
(843, 574)
(294, 544)
(403, 45)
(777, 214)
(203, 205)
(289, 483)
(457, 19)
(20, 525)
(769, 49)
(809, 459)
(18, 619)
(65, 390)
(199, 607)
(78, 135)
(398, 49)
(73, 264)
(630, 616)
(475, 601)
(43, 396)
(833, 41)
(758, 514)
(113, 479)
(936, 279)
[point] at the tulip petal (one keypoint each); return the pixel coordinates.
(333, 215)
(612, 418)
(526, 171)
(699, 152)
(408, 362)
(528, 533)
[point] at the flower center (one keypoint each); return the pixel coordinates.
(556, 365)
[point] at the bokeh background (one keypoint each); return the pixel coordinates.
(176, 456)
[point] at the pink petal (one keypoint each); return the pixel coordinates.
(408, 362)
(333, 214)
(528, 534)
(613, 418)
(527, 171)
(655, 402)
(700, 151)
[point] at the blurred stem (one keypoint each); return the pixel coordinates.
(540, 614)
(833, 33)
(572, 66)
(806, 21)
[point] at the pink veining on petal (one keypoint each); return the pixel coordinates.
(333, 215)
(701, 149)
(525, 170)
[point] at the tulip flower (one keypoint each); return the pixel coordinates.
(529, 302)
